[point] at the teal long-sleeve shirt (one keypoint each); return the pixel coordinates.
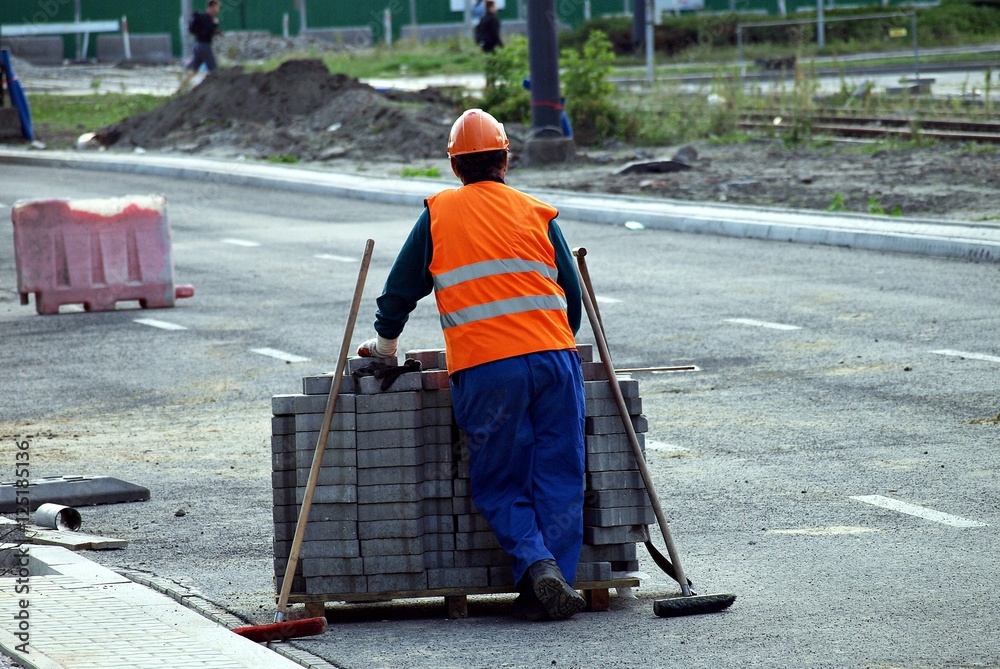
(410, 279)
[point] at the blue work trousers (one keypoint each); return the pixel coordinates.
(524, 418)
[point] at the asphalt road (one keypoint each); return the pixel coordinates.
(827, 374)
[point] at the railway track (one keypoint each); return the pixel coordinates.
(879, 127)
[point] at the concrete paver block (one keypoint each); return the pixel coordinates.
(392, 420)
(389, 529)
(320, 548)
(470, 541)
(397, 582)
(325, 585)
(439, 559)
(391, 511)
(389, 402)
(618, 461)
(614, 480)
(427, 357)
(330, 566)
(593, 571)
(320, 385)
(621, 534)
(501, 576)
(612, 443)
(408, 382)
(330, 494)
(387, 457)
(477, 577)
(435, 380)
(607, 499)
(395, 546)
(440, 525)
(608, 552)
(613, 424)
(333, 456)
(313, 422)
(436, 543)
(618, 516)
(609, 407)
(381, 494)
(602, 389)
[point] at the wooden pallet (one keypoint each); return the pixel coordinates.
(597, 594)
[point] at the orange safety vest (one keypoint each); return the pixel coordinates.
(495, 275)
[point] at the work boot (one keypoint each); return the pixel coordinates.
(527, 607)
(560, 600)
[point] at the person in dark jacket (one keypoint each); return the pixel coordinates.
(488, 30)
(204, 26)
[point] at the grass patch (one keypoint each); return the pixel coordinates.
(400, 59)
(432, 172)
(60, 119)
(285, 158)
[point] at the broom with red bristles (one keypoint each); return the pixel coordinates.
(282, 629)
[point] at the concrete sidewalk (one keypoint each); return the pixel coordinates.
(951, 239)
(84, 616)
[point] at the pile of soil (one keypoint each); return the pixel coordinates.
(299, 109)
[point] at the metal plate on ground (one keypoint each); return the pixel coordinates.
(71, 491)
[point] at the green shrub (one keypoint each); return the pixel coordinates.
(590, 97)
(506, 68)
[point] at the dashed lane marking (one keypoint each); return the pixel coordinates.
(918, 511)
(330, 256)
(163, 325)
(240, 242)
(280, 355)
(826, 531)
(607, 300)
(664, 447)
(970, 356)
(762, 324)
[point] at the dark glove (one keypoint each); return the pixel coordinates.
(387, 373)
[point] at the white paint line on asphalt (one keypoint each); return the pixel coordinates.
(280, 355)
(826, 531)
(918, 511)
(665, 447)
(163, 325)
(606, 300)
(240, 242)
(762, 324)
(330, 256)
(970, 356)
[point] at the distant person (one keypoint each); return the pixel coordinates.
(488, 30)
(204, 26)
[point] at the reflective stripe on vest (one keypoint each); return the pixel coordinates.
(515, 305)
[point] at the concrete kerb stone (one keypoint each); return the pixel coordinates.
(913, 236)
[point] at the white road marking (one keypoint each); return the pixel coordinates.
(665, 447)
(330, 256)
(280, 355)
(606, 300)
(762, 324)
(970, 356)
(240, 242)
(163, 325)
(918, 511)
(826, 531)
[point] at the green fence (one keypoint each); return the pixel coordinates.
(164, 16)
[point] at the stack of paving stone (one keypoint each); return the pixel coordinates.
(392, 511)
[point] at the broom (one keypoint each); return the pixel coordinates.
(689, 602)
(282, 629)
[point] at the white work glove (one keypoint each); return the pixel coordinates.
(379, 347)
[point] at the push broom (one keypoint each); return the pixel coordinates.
(281, 628)
(688, 602)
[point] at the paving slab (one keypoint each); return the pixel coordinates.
(84, 616)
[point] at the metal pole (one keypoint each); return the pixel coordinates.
(543, 59)
(186, 11)
(820, 28)
(739, 49)
(586, 10)
(304, 24)
(78, 16)
(916, 50)
(387, 24)
(650, 46)
(413, 21)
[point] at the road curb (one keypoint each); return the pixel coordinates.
(937, 238)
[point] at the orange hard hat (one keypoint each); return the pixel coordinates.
(474, 131)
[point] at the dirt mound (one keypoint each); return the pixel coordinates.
(300, 110)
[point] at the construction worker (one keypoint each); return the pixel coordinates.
(509, 302)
